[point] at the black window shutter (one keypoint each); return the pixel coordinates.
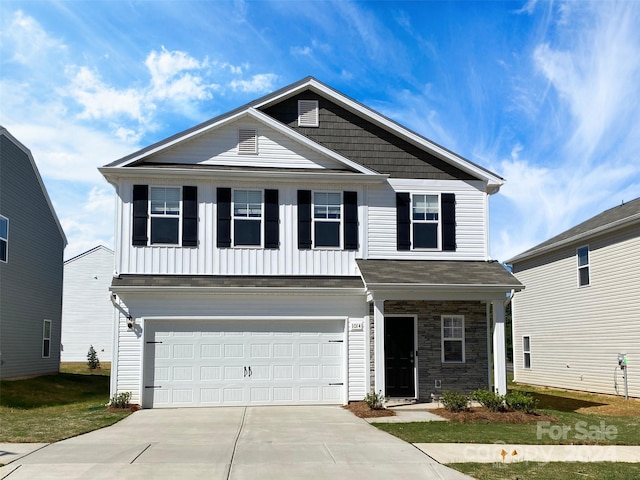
(350, 220)
(304, 219)
(448, 201)
(271, 219)
(140, 215)
(224, 217)
(189, 216)
(403, 218)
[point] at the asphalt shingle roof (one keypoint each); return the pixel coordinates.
(255, 281)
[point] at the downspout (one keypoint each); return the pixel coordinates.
(506, 304)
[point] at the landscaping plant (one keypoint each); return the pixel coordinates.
(374, 400)
(521, 401)
(120, 400)
(455, 401)
(490, 400)
(92, 359)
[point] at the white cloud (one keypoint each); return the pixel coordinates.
(260, 83)
(28, 42)
(301, 51)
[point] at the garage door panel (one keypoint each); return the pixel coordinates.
(243, 363)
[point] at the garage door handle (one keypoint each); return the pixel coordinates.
(245, 371)
(331, 384)
(250, 373)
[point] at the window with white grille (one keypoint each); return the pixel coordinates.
(308, 113)
(247, 141)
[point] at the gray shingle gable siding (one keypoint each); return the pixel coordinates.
(363, 142)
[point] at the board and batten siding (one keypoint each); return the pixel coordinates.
(127, 370)
(577, 333)
(274, 150)
(208, 259)
(31, 279)
(87, 312)
(471, 219)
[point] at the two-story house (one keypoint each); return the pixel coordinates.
(303, 249)
(580, 308)
(32, 246)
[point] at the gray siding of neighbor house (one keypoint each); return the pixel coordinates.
(363, 142)
(577, 332)
(459, 377)
(31, 280)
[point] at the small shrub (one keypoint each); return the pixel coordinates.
(92, 359)
(455, 401)
(490, 400)
(374, 400)
(521, 401)
(120, 400)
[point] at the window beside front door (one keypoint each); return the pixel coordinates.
(584, 278)
(453, 339)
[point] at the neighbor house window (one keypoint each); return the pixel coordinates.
(4, 238)
(526, 351)
(425, 217)
(327, 208)
(583, 267)
(247, 217)
(453, 338)
(165, 215)
(46, 339)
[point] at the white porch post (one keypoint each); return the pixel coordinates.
(499, 349)
(378, 331)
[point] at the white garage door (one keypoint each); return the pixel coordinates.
(190, 364)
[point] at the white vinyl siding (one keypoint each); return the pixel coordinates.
(471, 219)
(580, 331)
(275, 150)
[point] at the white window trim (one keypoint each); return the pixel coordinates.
(442, 339)
(151, 216)
(6, 240)
(45, 338)
(233, 217)
(439, 222)
(315, 121)
(587, 266)
(332, 220)
(254, 131)
(526, 352)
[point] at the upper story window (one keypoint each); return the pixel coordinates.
(426, 221)
(4, 238)
(247, 141)
(526, 351)
(164, 214)
(308, 115)
(584, 278)
(327, 207)
(247, 217)
(453, 338)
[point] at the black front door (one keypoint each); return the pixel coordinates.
(399, 356)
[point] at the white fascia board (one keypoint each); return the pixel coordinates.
(113, 174)
(494, 182)
(438, 292)
(285, 291)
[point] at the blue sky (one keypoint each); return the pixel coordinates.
(543, 93)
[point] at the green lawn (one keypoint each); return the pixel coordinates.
(553, 470)
(53, 407)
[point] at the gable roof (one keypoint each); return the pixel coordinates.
(493, 181)
(27, 152)
(89, 252)
(607, 221)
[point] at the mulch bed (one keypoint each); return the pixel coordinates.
(483, 415)
(362, 410)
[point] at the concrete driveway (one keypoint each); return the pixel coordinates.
(232, 443)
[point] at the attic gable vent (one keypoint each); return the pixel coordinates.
(247, 141)
(308, 113)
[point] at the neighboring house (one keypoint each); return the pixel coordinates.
(87, 311)
(31, 255)
(303, 249)
(581, 306)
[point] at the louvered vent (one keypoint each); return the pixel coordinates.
(247, 141)
(308, 113)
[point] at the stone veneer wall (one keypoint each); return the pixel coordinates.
(461, 377)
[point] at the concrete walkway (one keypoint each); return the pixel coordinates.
(228, 444)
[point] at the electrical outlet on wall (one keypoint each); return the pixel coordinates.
(438, 383)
